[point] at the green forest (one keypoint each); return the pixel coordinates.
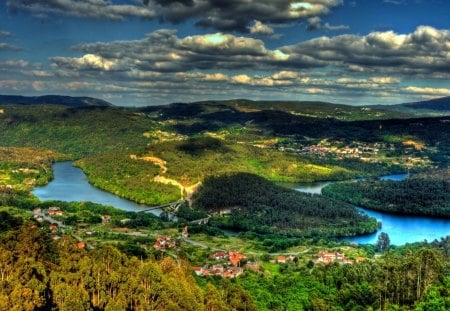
(257, 205)
(426, 194)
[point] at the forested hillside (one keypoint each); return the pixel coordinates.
(426, 194)
(258, 206)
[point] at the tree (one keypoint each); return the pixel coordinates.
(383, 242)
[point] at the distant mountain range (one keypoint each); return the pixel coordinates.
(74, 102)
(433, 107)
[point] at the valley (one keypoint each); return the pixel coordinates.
(231, 163)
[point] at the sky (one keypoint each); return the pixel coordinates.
(151, 52)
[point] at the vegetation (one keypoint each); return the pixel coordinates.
(235, 149)
(408, 279)
(257, 205)
(425, 194)
(128, 178)
(74, 131)
(37, 273)
(24, 168)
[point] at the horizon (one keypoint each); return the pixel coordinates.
(219, 100)
(146, 53)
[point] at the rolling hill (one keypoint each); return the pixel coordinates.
(432, 107)
(73, 102)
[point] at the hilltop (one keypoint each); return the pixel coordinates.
(74, 102)
(432, 107)
(312, 109)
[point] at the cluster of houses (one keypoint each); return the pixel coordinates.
(230, 269)
(328, 257)
(164, 242)
(51, 211)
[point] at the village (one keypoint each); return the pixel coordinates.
(220, 263)
(367, 152)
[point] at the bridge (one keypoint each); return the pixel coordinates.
(202, 221)
(170, 208)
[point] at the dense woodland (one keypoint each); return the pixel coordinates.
(426, 194)
(259, 206)
(37, 273)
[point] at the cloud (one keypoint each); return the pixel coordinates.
(8, 47)
(223, 15)
(425, 51)
(427, 91)
(261, 29)
(168, 67)
(14, 63)
(5, 33)
(100, 9)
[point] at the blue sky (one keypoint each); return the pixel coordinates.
(147, 52)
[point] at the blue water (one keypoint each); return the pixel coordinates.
(71, 184)
(405, 229)
(401, 229)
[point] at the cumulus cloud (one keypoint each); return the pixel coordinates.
(426, 50)
(261, 29)
(388, 55)
(215, 65)
(223, 15)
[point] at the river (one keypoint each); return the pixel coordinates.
(401, 229)
(71, 184)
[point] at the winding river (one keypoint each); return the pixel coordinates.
(71, 184)
(401, 229)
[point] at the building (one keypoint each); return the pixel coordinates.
(328, 257)
(235, 258)
(163, 242)
(219, 255)
(106, 219)
(185, 233)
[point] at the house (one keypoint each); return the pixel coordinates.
(328, 257)
(198, 270)
(59, 213)
(233, 272)
(235, 258)
(81, 244)
(185, 233)
(37, 210)
(163, 242)
(219, 255)
(281, 259)
(89, 232)
(53, 227)
(106, 219)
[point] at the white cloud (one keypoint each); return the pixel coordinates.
(428, 91)
(259, 28)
